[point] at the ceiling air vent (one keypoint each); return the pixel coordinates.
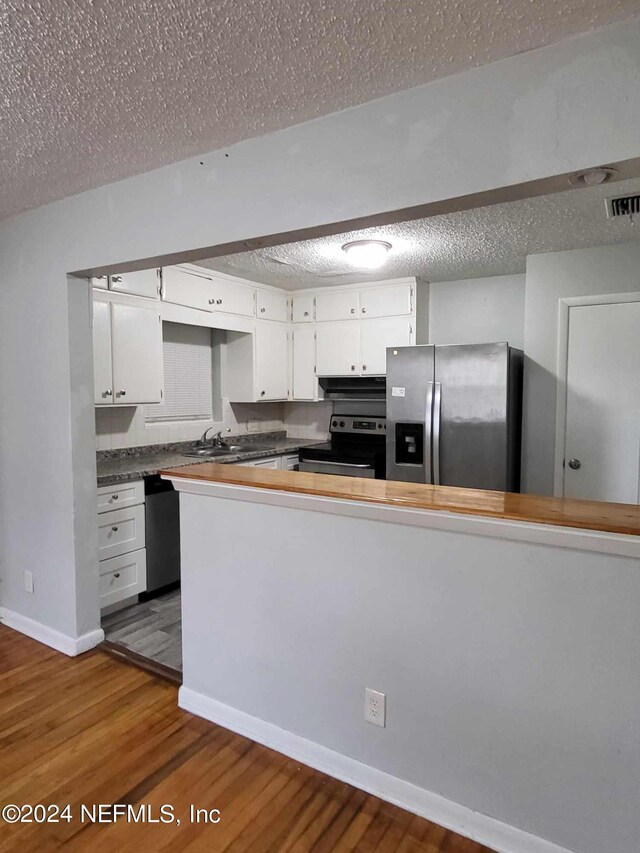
(623, 205)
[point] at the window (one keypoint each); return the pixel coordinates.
(187, 358)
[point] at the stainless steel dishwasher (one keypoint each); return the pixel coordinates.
(162, 532)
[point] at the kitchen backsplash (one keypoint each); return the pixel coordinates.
(125, 427)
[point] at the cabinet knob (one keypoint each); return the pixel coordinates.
(116, 574)
(117, 278)
(353, 367)
(121, 393)
(353, 310)
(114, 497)
(574, 464)
(218, 301)
(262, 393)
(364, 310)
(364, 366)
(262, 310)
(107, 393)
(115, 529)
(306, 313)
(212, 302)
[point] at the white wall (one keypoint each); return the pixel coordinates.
(510, 668)
(540, 113)
(477, 311)
(550, 277)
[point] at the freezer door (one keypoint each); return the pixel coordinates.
(471, 405)
(410, 390)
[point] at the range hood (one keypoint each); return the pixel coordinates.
(354, 387)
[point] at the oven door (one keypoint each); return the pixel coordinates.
(344, 469)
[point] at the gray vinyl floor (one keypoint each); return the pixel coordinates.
(152, 629)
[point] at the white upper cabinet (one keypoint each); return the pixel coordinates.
(271, 305)
(233, 297)
(136, 339)
(141, 283)
(127, 353)
(302, 308)
(187, 288)
(392, 301)
(272, 361)
(258, 363)
(102, 368)
(338, 349)
(338, 305)
(304, 383)
(376, 336)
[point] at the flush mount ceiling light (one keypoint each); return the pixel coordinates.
(592, 177)
(367, 254)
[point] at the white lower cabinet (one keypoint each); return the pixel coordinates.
(121, 542)
(376, 336)
(338, 349)
(289, 462)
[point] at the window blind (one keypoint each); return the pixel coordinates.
(187, 357)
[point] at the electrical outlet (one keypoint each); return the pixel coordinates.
(28, 582)
(375, 707)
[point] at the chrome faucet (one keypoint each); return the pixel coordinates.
(217, 440)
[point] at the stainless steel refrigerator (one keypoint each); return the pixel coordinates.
(454, 415)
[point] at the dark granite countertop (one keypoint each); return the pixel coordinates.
(133, 463)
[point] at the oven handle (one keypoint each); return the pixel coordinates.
(339, 464)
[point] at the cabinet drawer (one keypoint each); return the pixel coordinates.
(271, 306)
(122, 577)
(120, 495)
(267, 462)
(289, 462)
(120, 531)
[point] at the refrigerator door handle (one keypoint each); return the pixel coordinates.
(437, 399)
(428, 421)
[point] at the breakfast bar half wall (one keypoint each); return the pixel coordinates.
(502, 629)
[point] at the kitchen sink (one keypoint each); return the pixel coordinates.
(212, 452)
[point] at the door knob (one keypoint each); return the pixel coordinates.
(574, 464)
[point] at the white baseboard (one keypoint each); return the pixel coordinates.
(71, 646)
(479, 827)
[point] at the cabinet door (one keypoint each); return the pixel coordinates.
(302, 310)
(342, 305)
(232, 297)
(385, 301)
(290, 462)
(141, 283)
(304, 381)
(376, 336)
(271, 305)
(102, 372)
(338, 349)
(136, 340)
(272, 361)
(186, 288)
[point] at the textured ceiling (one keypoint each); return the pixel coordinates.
(485, 241)
(92, 91)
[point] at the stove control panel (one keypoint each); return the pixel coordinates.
(358, 424)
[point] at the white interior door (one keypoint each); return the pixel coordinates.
(602, 441)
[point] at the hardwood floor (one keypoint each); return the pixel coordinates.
(94, 730)
(151, 629)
